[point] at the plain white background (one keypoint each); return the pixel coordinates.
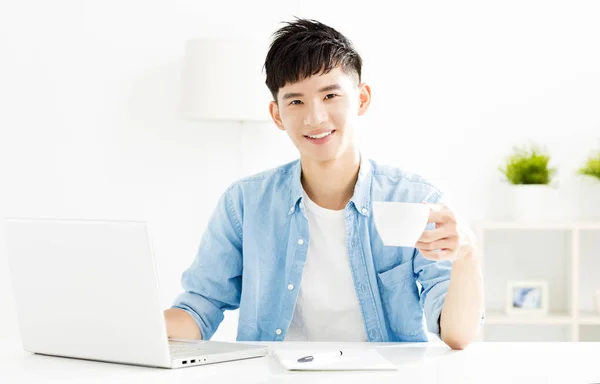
(89, 92)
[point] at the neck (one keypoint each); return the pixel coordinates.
(330, 184)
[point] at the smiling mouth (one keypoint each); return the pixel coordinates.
(320, 135)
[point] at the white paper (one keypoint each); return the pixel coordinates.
(351, 360)
(400, 224)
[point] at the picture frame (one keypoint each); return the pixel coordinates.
(527, 298)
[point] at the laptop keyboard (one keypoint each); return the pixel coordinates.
(184, 349)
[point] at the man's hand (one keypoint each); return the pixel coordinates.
(449, 240)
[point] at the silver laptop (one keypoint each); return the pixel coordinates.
(88, 289)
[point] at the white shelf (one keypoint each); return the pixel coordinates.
(551, 225)
(572, 318)
(552, 318)
(589, 318)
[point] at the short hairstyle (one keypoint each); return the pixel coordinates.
(305, 47)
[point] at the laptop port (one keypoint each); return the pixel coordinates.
(192, 361)
(184, 362)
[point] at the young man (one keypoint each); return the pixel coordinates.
(295, 248)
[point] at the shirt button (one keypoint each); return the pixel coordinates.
(300, 241)
(362, 288)
(278, 331)
(373, 334)
(364, 210)
(292, 209)
(290, 287)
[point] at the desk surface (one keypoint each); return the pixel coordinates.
(418, 363)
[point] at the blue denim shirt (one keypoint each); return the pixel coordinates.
(253, 251)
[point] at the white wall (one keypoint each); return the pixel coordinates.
(89, 93)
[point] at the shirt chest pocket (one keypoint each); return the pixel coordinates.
(400, 298)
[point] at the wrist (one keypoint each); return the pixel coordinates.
(467, 245)
(466, 253)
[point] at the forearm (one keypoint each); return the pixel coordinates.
(461, 314)
(180, 325)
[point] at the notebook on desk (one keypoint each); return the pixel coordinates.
(347, 360)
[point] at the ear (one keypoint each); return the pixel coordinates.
(364, 98)
(274, 111)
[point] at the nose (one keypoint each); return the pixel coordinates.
(316, 114)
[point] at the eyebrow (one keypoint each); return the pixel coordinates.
(327, 88)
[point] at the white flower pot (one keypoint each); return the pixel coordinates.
(588, 199)
(532, 202)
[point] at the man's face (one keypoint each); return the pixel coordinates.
(319, 113)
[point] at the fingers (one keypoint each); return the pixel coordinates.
(444, 254)
(442, 232)
(447, 239)
(441, 216)
(450, 243)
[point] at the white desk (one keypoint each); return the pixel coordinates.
(418, 363)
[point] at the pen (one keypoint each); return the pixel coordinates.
(307, 359)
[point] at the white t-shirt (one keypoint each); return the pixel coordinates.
(327, 308)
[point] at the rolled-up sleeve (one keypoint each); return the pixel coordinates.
(212, 283)
(434, 278)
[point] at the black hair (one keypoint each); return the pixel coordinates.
(305, 47)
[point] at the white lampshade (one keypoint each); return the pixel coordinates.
(223, 79)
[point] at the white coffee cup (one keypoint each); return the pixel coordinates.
(400, 224)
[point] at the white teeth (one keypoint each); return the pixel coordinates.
(320, 136)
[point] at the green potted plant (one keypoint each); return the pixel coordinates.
(592, 166)
(588, 201)
(527, 170)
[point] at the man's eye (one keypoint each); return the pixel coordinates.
(295, 102)
(330, 96)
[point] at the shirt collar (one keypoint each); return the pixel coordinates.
(361, 199)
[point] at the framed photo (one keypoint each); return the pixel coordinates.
(527, 297)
